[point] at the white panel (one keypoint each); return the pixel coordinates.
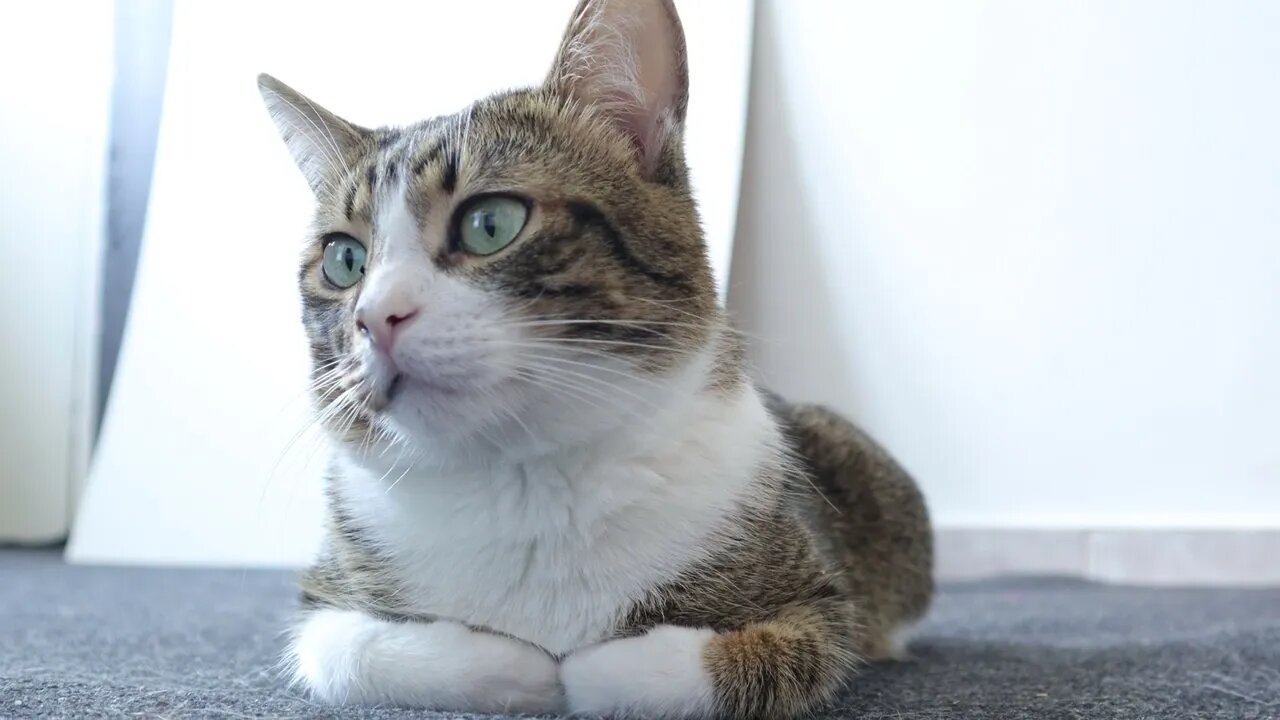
(965, 554)
(1034, 247)
(1239, 558)
(54, 105)
(1235, 557)
(195, 463)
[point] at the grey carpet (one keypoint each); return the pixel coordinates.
(93, 642)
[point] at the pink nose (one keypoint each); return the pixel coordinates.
(383, 324)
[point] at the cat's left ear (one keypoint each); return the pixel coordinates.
(321, 143)
(627, 59)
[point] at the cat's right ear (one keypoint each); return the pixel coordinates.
(321, 143)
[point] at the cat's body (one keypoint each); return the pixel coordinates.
(556, 549)
(556, 487)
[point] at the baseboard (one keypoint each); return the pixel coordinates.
(1139, 556)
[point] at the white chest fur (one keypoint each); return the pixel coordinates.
(553, 551)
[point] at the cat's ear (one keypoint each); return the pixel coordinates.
(321, 143)
(627, 58)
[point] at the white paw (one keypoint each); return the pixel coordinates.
(658, 674)
(348, 657)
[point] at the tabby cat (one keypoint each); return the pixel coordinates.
(555, 487)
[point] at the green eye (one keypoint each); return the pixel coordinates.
(490, 224)
(343, 260)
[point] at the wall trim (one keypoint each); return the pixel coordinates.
(1154, 556)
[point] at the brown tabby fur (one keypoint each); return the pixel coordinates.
(820, 573)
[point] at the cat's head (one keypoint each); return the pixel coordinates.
(527, 271)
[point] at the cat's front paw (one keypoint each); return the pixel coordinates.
(348, 657)
(659, 674)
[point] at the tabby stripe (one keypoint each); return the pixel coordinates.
(387, 138)
(585, 213)
(349, 205)
(450, 180)
(538, 290)
(436, 150)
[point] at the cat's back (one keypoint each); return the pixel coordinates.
(871, 515)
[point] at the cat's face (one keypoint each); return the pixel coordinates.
(523, 273)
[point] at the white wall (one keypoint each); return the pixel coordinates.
(1034, 247)
(54, 98)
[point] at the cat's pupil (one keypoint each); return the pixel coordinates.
(349, 258)
(490, 224)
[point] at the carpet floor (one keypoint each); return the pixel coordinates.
(129, 642)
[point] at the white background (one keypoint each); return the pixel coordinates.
(1035, 247)
(54, 97)
(201, 459)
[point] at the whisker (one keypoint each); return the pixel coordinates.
(601, 381)
(589, 341)
(552, 382)
(541, 322)
(721, 320)
(604, 368)
(412, 464)
(516, 417)
(601, 392)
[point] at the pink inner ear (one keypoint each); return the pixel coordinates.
(659, 80)
(626, 57)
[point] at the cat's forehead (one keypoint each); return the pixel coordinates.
(498, 143)
(524, 142)
(512, 127)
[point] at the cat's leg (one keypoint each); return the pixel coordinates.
(783, 668)
(349, 657)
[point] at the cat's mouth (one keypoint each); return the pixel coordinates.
(402, 383)
(429, 397)
(387, 382)
(429, 378)
(408, 389)
(393, 387)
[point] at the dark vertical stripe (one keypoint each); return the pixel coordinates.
(435, 152)
(428, 158)
(450, 180)
(349, 204)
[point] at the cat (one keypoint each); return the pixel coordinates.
(555, 487)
